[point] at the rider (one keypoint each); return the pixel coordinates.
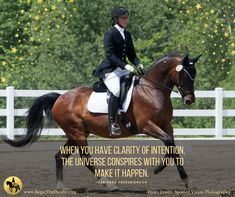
(117, 44)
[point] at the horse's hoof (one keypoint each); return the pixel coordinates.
(157, 170)
(60, 186)
(188, 183)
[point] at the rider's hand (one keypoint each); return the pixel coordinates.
(140, 69)
(140, 66)
(130, 68)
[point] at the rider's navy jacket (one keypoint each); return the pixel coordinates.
(116, 50)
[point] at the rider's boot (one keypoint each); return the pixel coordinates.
(114, 128)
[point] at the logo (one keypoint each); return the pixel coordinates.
(13, 185)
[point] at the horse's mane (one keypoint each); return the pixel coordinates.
(169, 55)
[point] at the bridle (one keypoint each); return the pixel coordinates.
(181, 91)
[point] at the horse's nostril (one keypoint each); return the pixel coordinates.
(188, 102)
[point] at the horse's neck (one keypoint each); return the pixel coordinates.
(160, 73)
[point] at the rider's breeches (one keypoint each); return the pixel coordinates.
(112, 80)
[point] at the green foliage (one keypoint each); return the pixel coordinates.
(56, 44)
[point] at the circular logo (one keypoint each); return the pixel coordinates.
(13, 185)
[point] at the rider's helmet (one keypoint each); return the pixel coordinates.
(119, 11)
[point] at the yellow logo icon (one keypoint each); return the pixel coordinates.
(13, 185)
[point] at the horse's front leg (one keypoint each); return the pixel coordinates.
(169, 131)
(183, 175)
(166, 135)
(153, 130)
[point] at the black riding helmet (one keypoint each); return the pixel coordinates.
(119, 11)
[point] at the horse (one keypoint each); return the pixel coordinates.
(13, 185)
(150, 111)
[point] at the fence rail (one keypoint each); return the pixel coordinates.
(218, 113)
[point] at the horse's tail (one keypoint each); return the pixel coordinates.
(34, 119)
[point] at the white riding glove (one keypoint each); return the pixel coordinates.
(129, 68)
(140, 69)
(141, 66)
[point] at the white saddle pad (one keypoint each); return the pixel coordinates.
(97, 102)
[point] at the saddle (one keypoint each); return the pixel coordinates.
(125, 84)
(98, 101)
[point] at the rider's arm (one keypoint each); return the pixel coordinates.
(131, 54)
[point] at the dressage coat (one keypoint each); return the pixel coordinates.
(116, 51)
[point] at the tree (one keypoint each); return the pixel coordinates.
(13, 39)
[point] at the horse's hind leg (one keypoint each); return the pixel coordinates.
(83, 154)
(59, 165)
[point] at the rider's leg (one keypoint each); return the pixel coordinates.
(112, 109)
(112, 81)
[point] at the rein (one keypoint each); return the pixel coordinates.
(178, 92)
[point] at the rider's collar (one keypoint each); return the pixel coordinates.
(120, 29)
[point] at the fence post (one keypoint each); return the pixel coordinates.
(218, 112)
(10, 112)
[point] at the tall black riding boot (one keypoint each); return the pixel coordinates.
(114, 128)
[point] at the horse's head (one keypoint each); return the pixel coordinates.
(185, 80)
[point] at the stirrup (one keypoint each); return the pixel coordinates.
(115, 129)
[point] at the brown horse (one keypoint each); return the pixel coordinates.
(150, 111)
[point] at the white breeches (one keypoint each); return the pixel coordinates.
(112, 80)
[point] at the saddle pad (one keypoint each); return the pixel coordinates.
(97, 102)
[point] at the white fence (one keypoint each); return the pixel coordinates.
(218, 112)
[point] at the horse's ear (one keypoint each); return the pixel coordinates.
(185, 60)
(196, 58)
